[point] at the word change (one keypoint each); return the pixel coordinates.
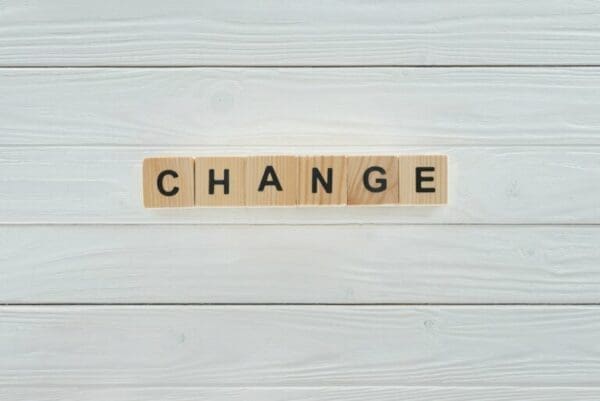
(295, 181)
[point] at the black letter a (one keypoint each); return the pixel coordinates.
(269, 172)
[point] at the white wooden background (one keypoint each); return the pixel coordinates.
(493, 297)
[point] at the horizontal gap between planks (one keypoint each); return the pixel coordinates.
(349, 224)
(292, 387)
(300, 304)
(277, 66)
(281, 148)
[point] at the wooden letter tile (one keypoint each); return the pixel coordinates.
(322, 180)
(423, 180)
(372, 180)
(271, 180)
(168, 182)
(220, 181)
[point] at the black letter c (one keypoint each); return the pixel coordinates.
(159, 183)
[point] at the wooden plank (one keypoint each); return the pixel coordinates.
(354, 393)
(252, 32)
(300, 346)
(300, 106)
(270, 264)
(495, 185)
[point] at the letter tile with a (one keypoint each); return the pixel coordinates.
(271, 180)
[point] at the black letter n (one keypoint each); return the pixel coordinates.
(327, 185)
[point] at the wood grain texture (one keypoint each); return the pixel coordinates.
(227, 184)
(524, 181)
(325, 186)
(299, 264)
(332, 393)
(516, 185)
(168, 182)
(372, 180)
(428, 186)
(272, 180)
(303, 107)
(252, 32)
(300, 346)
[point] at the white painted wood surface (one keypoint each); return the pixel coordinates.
(499, 185)
(299, 346)
(313, 32)
(512, 98)
(299, 264)
(350, 393)
(300, 106)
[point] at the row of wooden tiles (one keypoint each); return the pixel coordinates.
(295, 181)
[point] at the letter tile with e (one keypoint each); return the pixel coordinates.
(423, 180)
